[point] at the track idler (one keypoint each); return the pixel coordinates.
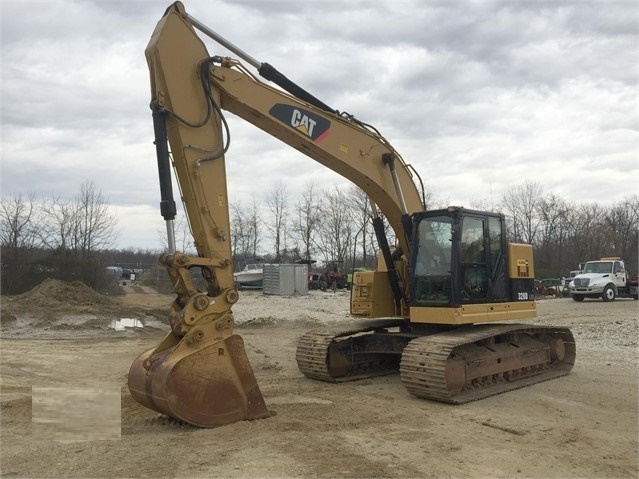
(206, 383)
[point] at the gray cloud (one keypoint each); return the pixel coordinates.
(478, 96)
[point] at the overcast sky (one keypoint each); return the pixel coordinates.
(476, 96)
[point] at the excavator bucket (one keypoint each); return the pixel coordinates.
(207, 386)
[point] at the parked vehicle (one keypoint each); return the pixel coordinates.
(325, 280)
(548, 287)
(335, 279)
(606, 278)
(251, 275)
(316, 280)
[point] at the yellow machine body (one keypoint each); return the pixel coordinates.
(445, 271)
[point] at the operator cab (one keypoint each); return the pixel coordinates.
(459, 258)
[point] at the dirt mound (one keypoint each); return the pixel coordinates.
(57, 309)
(53, 292)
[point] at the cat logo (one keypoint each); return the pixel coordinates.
(303, 123)
(307, 123)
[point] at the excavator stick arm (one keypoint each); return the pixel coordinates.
(200, 373)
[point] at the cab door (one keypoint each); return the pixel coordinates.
(619, 274)
(474, 274)
(482, 260)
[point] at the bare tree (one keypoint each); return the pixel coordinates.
(277, 201)
(96, 226)
(336, 230)
(18, 240)
(553, 213)
(584, 233)
(59, 224)
(255, 224)
(239, 231)
(18, 228)
(361, 213)
(520, 204)
(307, 219)
(245, 230)
(621, 221)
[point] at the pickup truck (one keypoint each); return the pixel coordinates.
(606, 278)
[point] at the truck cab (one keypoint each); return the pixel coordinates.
(606, 278)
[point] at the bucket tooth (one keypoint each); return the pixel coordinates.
(207, 387)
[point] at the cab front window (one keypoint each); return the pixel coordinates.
(432, 267)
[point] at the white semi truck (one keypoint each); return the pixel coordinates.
(606, 278)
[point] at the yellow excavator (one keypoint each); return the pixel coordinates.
(428, 311)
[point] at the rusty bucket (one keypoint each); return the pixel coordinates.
(207, 386)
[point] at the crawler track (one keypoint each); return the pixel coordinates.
(337, 354)
(455, 366)
(472, 363)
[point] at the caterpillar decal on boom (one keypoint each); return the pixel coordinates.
(450, 270)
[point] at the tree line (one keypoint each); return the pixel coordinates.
(76, 239)
(333, 226)
(61, 238)
(564, 234)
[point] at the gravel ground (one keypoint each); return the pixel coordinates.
(584, 425)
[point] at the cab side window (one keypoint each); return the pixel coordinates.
(475, 276)
(472, 245)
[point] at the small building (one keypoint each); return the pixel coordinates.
(285, 279)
